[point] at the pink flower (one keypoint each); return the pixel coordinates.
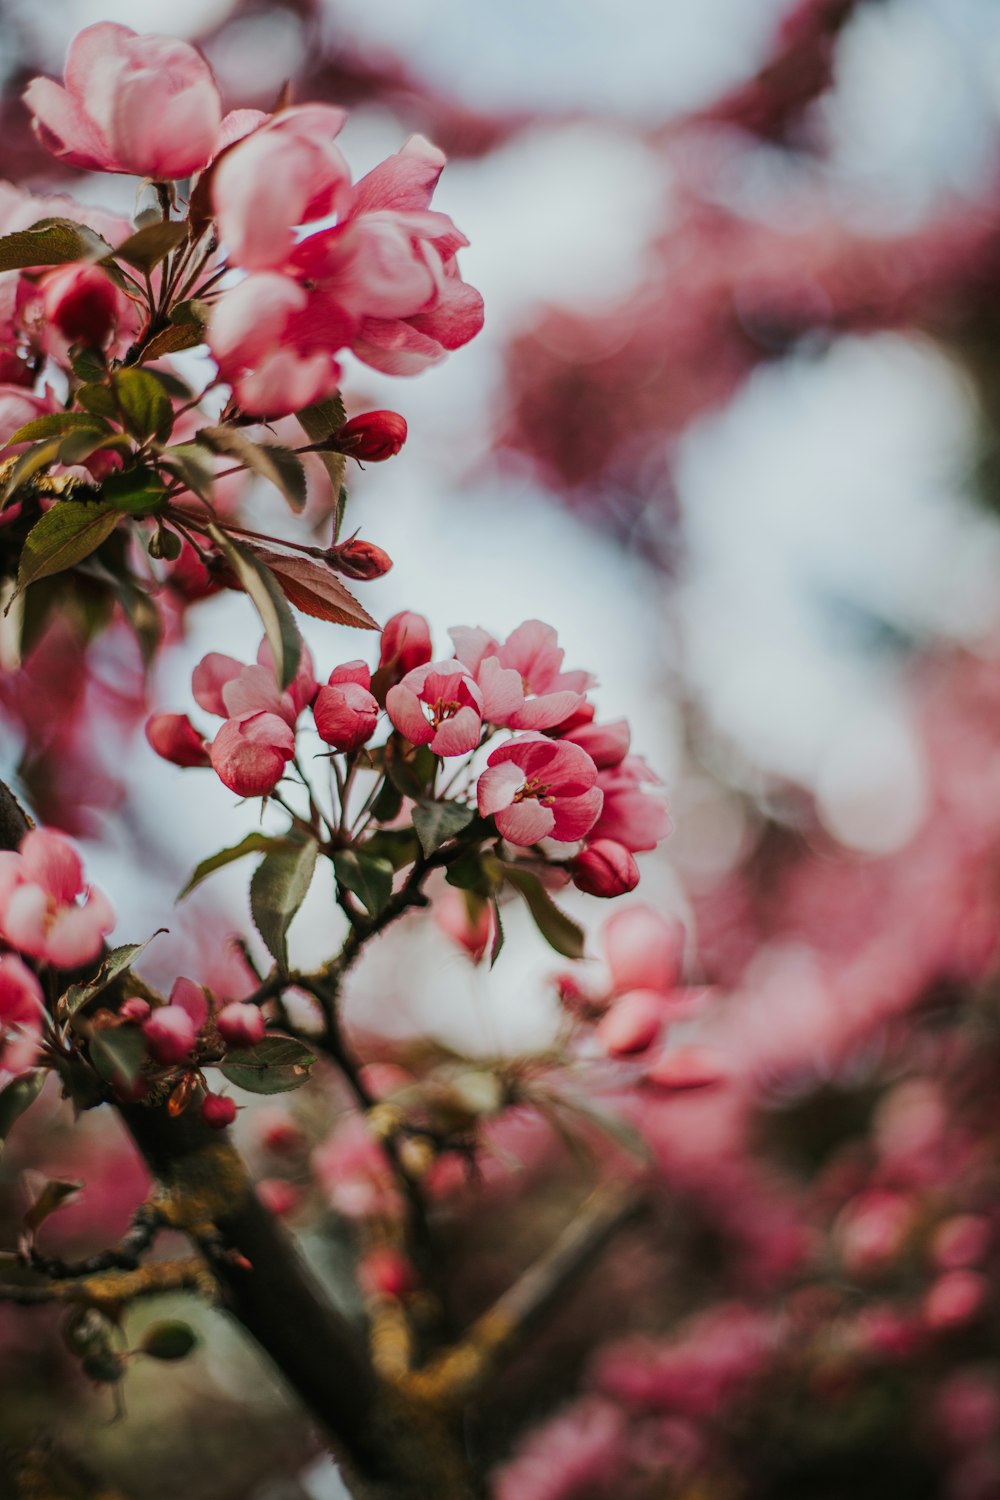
(522, 681)
(955, 1299)
(537, 788)
(345, 710)
(438, 705)
(141, 104)
(175, 738)
(39, 910)
(606, 744)
(249, 753)
(466, 919)
(631, 816)
(171, 1030)
(21, 1012)
(251, 750)
(353, 1172)
(632, 1024)
(605, 868)
(18, 406)
(283, 174)
(275, 345)
(82, 302)
(240, 1025)
(371, 437)
(644, 950)
(406, 642)
(218, 1111)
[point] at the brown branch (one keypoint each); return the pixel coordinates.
(113, 1289)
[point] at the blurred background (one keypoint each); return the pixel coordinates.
(733, 427)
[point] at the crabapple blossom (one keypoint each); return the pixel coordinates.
(644, 950)
(251, 750)
(522, 680)
(141, 104)
(372, 437)
(604, 868)
(175, 738)
(21, 1011)
(633, 817)
(82, 302)
(536, 788)
(345, 710)
(240, 1025)
(406, 642)
(218, 1110)
(40, 913)
(437, 705)
(606, 744)
(632, 1024)
(275, 346)
(171, 1030)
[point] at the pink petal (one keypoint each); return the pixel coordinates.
(25, 920)
(210, 677)
(545, 712)
(249, 755)
(502, 690)
(497, 788)
(50, 862)
(64, 129)
(190, 997)
(632, 1024)
(576, 816)
(459, 734)
(404, 181)
(644, 950)
(352, 671)
(525, 822)
(404, 709)
(253, 691)
(76, 934)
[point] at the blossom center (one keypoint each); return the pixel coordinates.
(533, 788)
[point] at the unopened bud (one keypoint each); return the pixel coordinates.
(134, 1009)
(605, 868)
(372, 437)
(175, 738)
(240, 1025)
(359, 559)
(218, 1111)
(82, 303)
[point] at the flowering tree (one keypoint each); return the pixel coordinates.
(457, 781)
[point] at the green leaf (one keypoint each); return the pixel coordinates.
(470, 872)
(144, 404)
(170, 1339)
(437, 822)
(190, 464)
(320, 421)
(50, 242)
(277, 890)
(29, 463)
(399, 846)
(136, 492)
(151, 244)
(274, 1066)
(54, 424)
(89, 364)
(388, 804)
(410, 770)
(173, 340)
(270, 603)
(254, 843)
(52, 1196)
(64, 536)
(117, 961)
(118, 1053)
(18, 1096)
(340, 511)
(98, 399)
(313, 588)
(270, 461)
(558, 930)
(497, 933)
(143, 615)
(76, 447)
(369, 876)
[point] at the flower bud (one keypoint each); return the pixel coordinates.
(175, 738)
(134, 1009)
(240, 1025)
(218, 1111)
(373, 436)
(170, 1034)
(278, 1196)
(82, 303)
(359, 559)
(345, 710)
(604, 868)
(383, 1272)
(406, 642)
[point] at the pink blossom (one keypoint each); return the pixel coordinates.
(537, 788)
(175, 738)
(82, 302)
(141, 104)
(371, 437)
(353, 1172)
(39, 909)
(633, 817)
(385, 1272)
(579, 1452)
(632, 1024)
(644, 950)
(606, 744)
(218, 1111)
(249, 753)
(171, 1030)
(438, 705)
(21, 1012)
(240, 1025)
(251, 750)
(345, 710)
(274, 344)
(605, 868)
(522, 681)
(955, 1299)
(280, 175)
(406, 642)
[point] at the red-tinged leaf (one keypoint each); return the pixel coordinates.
(313, 588)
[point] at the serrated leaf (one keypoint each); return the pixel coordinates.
(190, 464)
(270, 461)
(169, 1339)
(274, 1066)
(400, 846)
(116, 962)
(64, 536)
(89, 364)
(266, 596)
(50, 242)
(558, 930)
(144, 404)
(29, 463)
(497, 932)
(149, 245)
(54, 424)
(143, 616)
(311, 587)
(174, 340)
(76, 447)
(410, 771)
(98, 399)
(319, 421)
(18, 1096)
(470, 873)
(254, 843)
(52, 1196)
(437, 822)
(368, 876)
(118, 1054)
(277, 890)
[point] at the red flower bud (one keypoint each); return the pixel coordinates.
(170, 1034)
(406, 642)
(240, 1025)
(82, 303)
(175, 738)
(278, 1196)
(373, 436)
(605, 868)
(359, 559)
(218, 1111)
(134, 1009)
